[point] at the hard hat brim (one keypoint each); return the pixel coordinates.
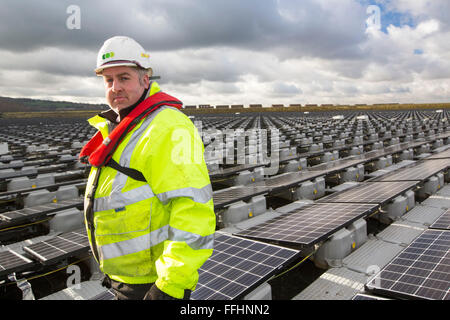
(99, 70)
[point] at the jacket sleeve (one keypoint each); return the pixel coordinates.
(180, 180)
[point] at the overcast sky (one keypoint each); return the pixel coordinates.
(235, 51)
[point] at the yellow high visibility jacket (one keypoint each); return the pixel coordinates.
(160, 230)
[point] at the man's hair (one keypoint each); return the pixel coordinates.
(141, 73)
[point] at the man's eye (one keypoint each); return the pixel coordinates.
(124, 78)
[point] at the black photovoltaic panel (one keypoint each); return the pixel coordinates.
(400, 147)
(59, 247)
(443, 222)
(420, 171)
(336, 165)
(237, 266)
(308, 225)
(372, 155)
(289, 180)
(11, 261)
(32, 212)
(227, 196)
(440, 155)
(420, 271)
(370, 192)
(375, 154)
(232, 170)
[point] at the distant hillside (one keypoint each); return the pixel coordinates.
(33, 105)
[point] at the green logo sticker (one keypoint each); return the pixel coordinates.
(108, 55)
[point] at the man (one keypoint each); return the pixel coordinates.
(149, 216)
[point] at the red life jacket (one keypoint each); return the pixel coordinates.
(99, 151)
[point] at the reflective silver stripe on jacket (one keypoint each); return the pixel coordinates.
(146, 241)
(115, 201)
(201, 195)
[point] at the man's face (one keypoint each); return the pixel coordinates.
(122, 87)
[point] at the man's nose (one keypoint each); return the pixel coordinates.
(116, 86)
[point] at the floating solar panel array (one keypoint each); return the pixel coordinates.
(224, 197)
(37, 211)
(243, 261)
(443, 222)
(11, 261)
(310, 224)
(60, 247)
(373, 192)
(47, 252)
(440, 155)
(417, 171)
(420, 271)
(237, 266)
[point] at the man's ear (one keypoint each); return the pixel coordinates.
(146, 80)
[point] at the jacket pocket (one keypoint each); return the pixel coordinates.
(133, 218)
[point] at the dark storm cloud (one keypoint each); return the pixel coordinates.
(34, 35)
(231, 50)
(292, 28)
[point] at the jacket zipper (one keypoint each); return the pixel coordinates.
(90, 214)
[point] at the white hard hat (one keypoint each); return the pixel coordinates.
(122, 51)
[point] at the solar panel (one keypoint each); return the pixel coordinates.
(60, 247)
(370, 192)
(399, 147)
(227, 196)
(232, 170)
(11, 261)
(289, 180)
(373, 154)
(336, 165)
(417, 172)
(440, 155)
(443, 222)
(309, 224)
(237, 266)
(420, 271)
(33, 212)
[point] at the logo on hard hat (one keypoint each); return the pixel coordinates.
(108, 55)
